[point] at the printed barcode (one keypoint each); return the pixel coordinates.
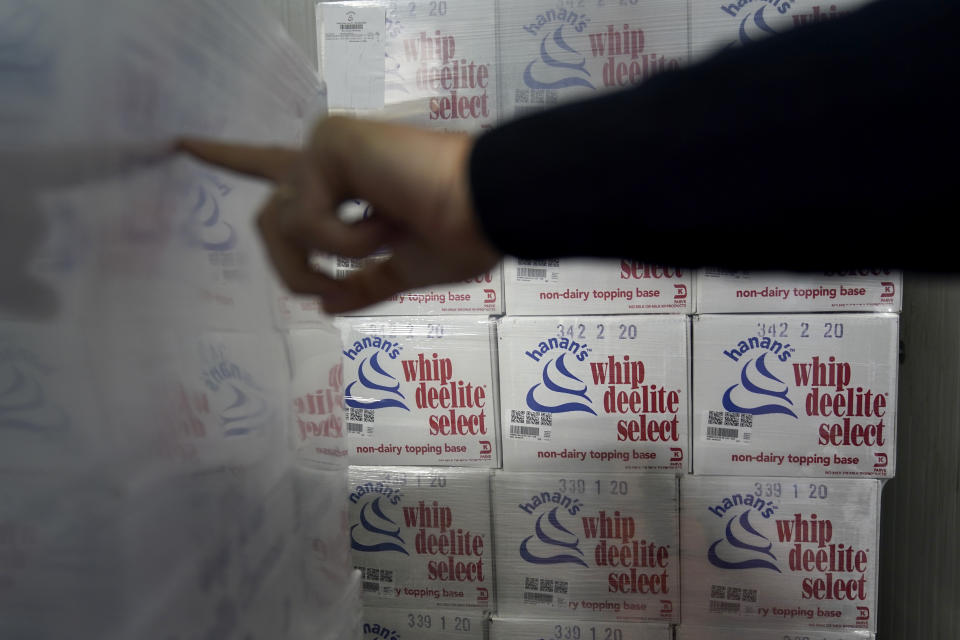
(528, 272)
(373, 587)
(719, 606)
(537, 598)
(343, 273)
(720, 432)
(355, 25)
(354, 427)
(518, 430)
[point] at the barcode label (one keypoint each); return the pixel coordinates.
(530, 273)
(354, 427)
(520, 431)
(537, 598)
(718, 606)
(719, 433)
(729, 426)
(347, 27)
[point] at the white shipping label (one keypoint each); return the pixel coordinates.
(877, 290)
(421, 536)
(717, 24)
(556, 52)
(565, 286)
(420, 391)
(784, 553)
(795, 395)
(594, 393)
(350, 36)
(423, 624)
(588, 547)
(528, 629)
(318, 431)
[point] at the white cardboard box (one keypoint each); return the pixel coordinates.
(423, 624)
(785, 553)
(421, 391)
(604, 393)
(527, 629)
(420, 536)
(878, 290)
(795, 395)
(587, 546)
(431, 65)
(552, 54)
(573, 286)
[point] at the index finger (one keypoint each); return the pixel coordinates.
(271, 163)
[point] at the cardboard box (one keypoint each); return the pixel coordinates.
(604, 393)
(783, 553)
(573, 286)
(587, 546)
(421, 391)
(420, 536)
(878, 290)
(795, 395)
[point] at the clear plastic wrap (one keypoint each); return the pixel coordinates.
(568, 286)
(421, 391)
(783, 553)
(148, 481)
(421, 536)
(595, 393)
(527, 629)
(879, 290)
(795, 395)
(587, 547)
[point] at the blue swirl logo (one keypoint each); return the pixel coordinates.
(245, 414)
(577, 64)
(749, 541)
(377, 531)
(565, 386)
(755, 379)
(552, 543)
(374, 379)
(758, 23)
(204, 227)
(24, 404)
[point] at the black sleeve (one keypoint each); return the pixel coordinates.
(829, 146)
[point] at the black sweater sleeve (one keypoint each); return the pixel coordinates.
(829, 146)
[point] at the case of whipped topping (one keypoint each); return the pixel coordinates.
(555, 53)
(692, 632)
(420, 536)
(566, 286)
(587, 546)
(594, 393)
(532, 629)
(715, 26)
(424, 624)
(782, 553)
(420, 391)
(428, 65)
(795, 395)
(718, 291)
(318, 431)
